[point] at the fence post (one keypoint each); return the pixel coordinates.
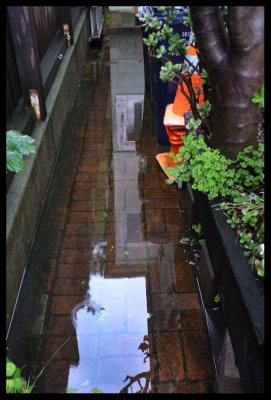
(26, 51)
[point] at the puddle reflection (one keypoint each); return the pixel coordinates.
(109, 326)
(112, 322)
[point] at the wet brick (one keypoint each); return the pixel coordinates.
(81, 242)
(75, 255)
(169, 356)
(161, 276)
(89, 185)
(60, 325)
(192, 320)
(181, 301)
(115, 269)
(58, 372)
(65, 304)
(198, 355)
(90, 196)
(68, 351)
(84, 216)
(184, 277)
(155, 221)
(85, 228)
(162, 204)
(70, 286)
(166, 321)
(93, 168)
(77, 270)
(88, 177)
(151, 181)
(183, 387)
(159, 194)
(174, 219)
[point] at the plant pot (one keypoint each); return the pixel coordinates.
(241, 299)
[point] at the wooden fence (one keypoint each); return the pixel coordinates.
(36, 40)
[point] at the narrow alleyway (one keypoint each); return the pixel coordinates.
(107, 277)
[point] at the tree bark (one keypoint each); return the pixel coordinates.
(234, 60)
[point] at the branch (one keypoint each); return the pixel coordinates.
(136, 378)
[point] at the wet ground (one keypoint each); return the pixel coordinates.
(109, 290)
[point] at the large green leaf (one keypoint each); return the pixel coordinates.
(17, 145)
(10, 369)
(14, 161)
(16, 141)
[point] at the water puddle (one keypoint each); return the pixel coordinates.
(110, 325)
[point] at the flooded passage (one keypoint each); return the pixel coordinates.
(109, 292)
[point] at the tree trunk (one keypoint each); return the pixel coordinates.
(234, 60)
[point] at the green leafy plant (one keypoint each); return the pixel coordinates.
(239, 181)
(15, 383)
(193, 124)
(168, 71)
(107, 17)
(246, 215)
(259, 98)
(217, 298)
(160, 51)
(71, 390)
(205, 167)
(198, 229)
(17, 145)
(94, 390)
(204, 77)
(204, 109)
(187, 21)
(177, 45)
(170, 12)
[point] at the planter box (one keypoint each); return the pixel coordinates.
(241, 299)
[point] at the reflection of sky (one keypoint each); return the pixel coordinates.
(109, 330)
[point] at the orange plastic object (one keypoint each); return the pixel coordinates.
(181, 104)
(173, 120)
(176, 141)
(163, 160)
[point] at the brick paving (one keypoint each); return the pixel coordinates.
(108, 247)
